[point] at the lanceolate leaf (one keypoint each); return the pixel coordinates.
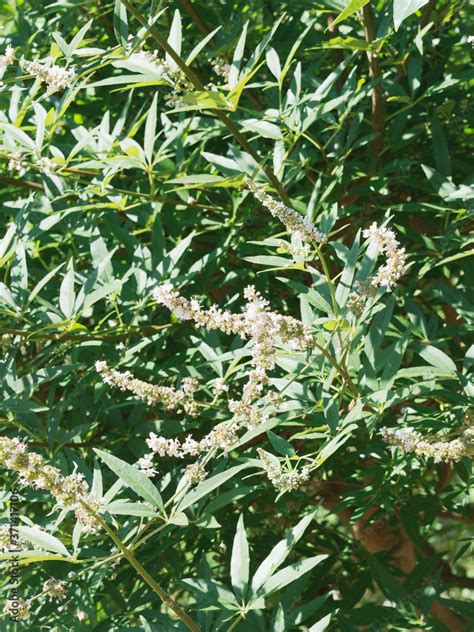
(402, 9)
(206, 487)
(352, 7)
(43, 539)
(133, 478)
(289, 574)
(279, 553)
(239, 565)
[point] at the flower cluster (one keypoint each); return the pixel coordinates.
(7, 58)
(356, 300)
(145, 464)
(46, 166)
(170, 73)
(171, 398)
(387, 275)
(195, 473)
(265, 329)
(222, 437)
(219, 387)
(300, 227)
(296, 251)
(410, 440)
(70, 491)
(222, 68)
(257, 321)
(55, 77)
(9, 538)
(17, 609)
(245, 414)
(55, 589)
(16, 162)
(282, 481)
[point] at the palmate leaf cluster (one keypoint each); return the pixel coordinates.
(134, 176)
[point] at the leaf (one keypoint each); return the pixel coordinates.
(129, 509)
(21, 406)
(322, 624)
(197, 49)
(289, 574)
(113, 287)
(40, 285)
(280, 552)
(442, 185)
(150, 130)
(40, 120)
(6, 296)
(175, 39)
(280, 445)
(264, 128)
(404, 8)
(132, 149)
(145, 79)
(391, 359)
(273, 63)
(293, 51)
(387, 581)
(335, 443)
(198, 179)
(345, 284)
(120, 23)
(348, 43)
(43, 540)
(18, 135)
(351, 8)
(209, 485)
(133, 478)
(62, 44)
(210, 100)
(67, 296)
(77, 39)
(239, 564)
(437, 358)
(237, 58)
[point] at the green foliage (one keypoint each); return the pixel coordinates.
(127, 171)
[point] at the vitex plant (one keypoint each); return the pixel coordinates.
(235, 311)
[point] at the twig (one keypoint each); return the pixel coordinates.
(425, 18)
(162, 594)
(202, 26)
(59, 337)
(374, 72)
(19, 182)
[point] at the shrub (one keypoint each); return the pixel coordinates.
(235, 313)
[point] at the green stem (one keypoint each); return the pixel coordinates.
(236, 623)
(193, 78)
(329, 280)
(162, 594)
(338, 368)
